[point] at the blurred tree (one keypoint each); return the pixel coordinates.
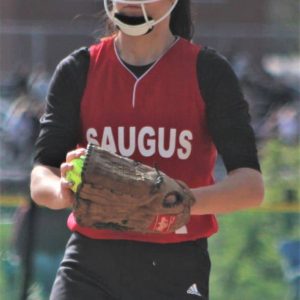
(281, 167)
(245, 254)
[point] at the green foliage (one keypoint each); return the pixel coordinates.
(246, 263)
(281, 170)
(246, 260)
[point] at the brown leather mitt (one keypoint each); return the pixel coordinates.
(118, 193)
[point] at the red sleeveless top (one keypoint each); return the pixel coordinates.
(157, 119)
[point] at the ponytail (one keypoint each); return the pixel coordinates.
(181, 20)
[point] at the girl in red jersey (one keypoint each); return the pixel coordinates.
(148, 93)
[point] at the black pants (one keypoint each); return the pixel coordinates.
(128, 270)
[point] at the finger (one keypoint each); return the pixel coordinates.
(66, 192)
(65, 184)
(75, 154)
(64, 168)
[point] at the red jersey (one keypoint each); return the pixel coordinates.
(157, 119)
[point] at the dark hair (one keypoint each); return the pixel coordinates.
(181, 20)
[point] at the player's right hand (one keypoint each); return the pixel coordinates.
(64, 193)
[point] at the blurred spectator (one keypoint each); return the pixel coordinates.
(240, 63)
(20, 128)
(288, 126)
(290, 250)
(283, 124)
(15, 83)
(39, 82)
(20, 124)
(37, 254)
(273, 100)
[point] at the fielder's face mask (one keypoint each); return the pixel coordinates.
(134, 25)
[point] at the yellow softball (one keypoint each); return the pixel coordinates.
(74, 175)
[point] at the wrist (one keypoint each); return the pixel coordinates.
(62, 199)
(200, 206)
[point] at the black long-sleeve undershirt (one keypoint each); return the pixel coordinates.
(227, 114)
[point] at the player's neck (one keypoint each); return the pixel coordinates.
(145, 49)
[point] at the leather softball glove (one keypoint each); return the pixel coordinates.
(118, 193)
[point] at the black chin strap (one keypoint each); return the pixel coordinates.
(132, 20)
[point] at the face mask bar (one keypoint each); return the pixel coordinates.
(135, 26)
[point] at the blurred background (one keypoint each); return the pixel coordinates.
(256, 254)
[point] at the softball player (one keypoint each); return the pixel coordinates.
(148, 93)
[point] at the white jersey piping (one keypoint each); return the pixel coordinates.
(138, 79)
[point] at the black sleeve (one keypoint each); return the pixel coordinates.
(227, 111)
(60, 124)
